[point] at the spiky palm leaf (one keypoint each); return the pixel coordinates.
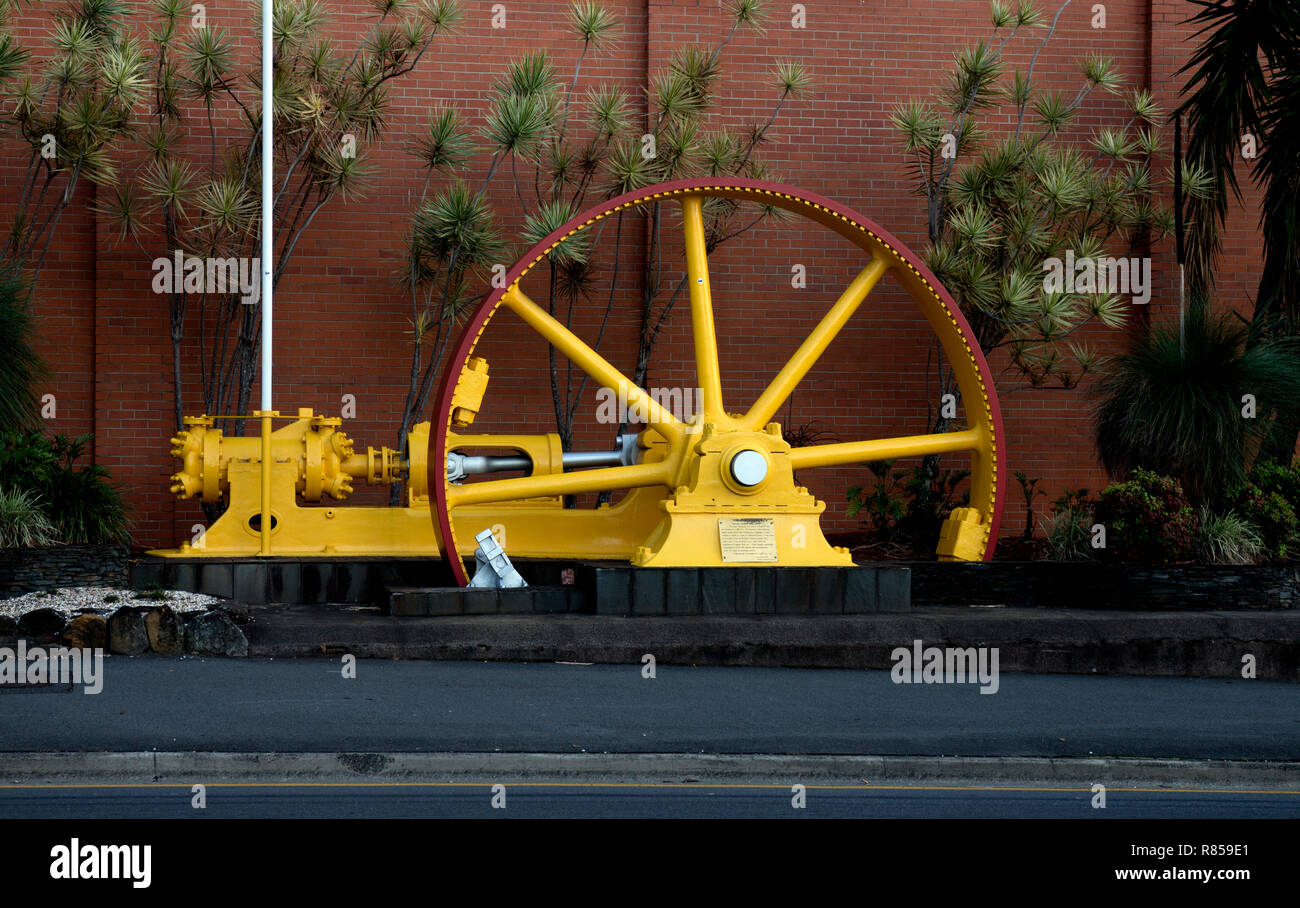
(530, 74)
(592, 22)
(1226, 94)
(343, 172)
(170, 183)
(974, 82)
(443, 15)
(792, 78)
(748, 12)
(226, 205)
(13, 57)
(208, 54)
(548, 218)
(517, 124)
(444, 145)
(627, 168)
(608, 111)
(456, 220)
(20, 367)
(673, 97)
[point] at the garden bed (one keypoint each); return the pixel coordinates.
(1101, 585)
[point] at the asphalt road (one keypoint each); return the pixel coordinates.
(583, 800)
(306, 705)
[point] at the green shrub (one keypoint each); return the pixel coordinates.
(881, 506)
(25, 457)
(82, 504)
(1029, 491)
(1069, 528)
(1149, 519)
(907, 507)
(22, 522)
(1270, 499)
(1273, 515)
(1273, 477)
(1172, 402)
(1229, 539)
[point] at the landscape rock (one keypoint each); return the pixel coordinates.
(40, 624)
(87, 632)
(8, 629)
(126, 631)
(164, 629)
(214, 634)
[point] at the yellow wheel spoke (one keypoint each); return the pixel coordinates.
(707, 374)
(793, 372)
(593, 364)
(884, 449)
(606, 479)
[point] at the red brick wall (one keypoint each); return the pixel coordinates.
(341, 317)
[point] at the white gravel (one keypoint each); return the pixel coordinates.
(73, 601)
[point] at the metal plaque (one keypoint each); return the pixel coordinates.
(747, 539)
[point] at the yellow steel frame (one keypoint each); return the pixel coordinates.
(677, 493)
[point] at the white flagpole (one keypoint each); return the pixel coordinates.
(268, 263)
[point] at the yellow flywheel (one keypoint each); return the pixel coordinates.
(718, 488)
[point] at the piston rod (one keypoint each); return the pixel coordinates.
(461, 465)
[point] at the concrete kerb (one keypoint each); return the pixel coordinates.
(184, 768)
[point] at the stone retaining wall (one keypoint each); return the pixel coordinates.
(57, 566)
(1106, 586)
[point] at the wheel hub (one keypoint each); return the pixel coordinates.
(749, 468)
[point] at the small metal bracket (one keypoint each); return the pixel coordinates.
(492, 567)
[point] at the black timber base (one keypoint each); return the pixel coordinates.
(857, 590)
(533, 600)
(619, 589)
(423, 586)
(309, 581)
